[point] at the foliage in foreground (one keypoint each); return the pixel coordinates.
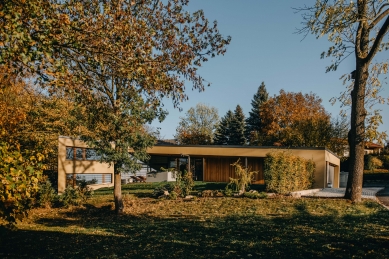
(19, 178)
(285, 173)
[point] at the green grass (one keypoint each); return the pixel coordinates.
(280, 227)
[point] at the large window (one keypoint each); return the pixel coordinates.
(75, 179)
(77, 153)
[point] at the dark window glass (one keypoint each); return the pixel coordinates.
(79, 153)
(69, 153)
(91, 154)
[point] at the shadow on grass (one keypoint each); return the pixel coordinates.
(99, 233)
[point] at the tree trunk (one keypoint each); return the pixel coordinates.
(356, 136)
(117, 192)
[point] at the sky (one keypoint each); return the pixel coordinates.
(264, 48)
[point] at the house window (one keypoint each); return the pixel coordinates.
(77, 153)
(91, 154)
(69, 153)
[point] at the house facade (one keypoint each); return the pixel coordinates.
(207, 163)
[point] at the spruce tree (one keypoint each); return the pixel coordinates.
(222, 134)
(237, 128)
(253, 122)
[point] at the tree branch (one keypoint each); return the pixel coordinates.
(378, 40)
(378, 19)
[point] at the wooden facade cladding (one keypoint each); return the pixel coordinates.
(219, 169)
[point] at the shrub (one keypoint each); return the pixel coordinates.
(173, 195)
(228, 192)
(69, 197)
(19, 178)
(372, 163)
(286, 173)
(243, 180)
(46, 196)
(75, 196)
(255, 195)
(183, 185)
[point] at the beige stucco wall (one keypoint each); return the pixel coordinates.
(76, 166)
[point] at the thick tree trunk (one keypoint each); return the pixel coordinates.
(356, 136)
(117, 192)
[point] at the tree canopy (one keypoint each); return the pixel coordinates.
(295, 119)
(115, 59)
(198, 126)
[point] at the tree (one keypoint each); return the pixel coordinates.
(237, 128)
(353, 28)
(154, 47)
(253, 122)
(295, 119)
(223, 130)
(199, 125)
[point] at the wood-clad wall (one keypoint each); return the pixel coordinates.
(219, 169)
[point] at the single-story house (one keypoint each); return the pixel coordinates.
(207, 163)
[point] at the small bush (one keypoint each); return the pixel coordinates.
(228, 192)
(255, 195)
(46, 196)
(75, 196)
(243, 180)
(372, 163)
(173, 195)
(183, 185)
(285, 173)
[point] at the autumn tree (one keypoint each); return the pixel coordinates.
(237, 127)
(148, 50)
(117, 59)
(223, 130)
(253, 131)
(355, 28)
(295, 119)
(198, 126)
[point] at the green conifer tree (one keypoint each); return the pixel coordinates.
(253, 122)
(222, 134)
(237, 128)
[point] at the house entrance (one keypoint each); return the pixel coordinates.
(198, 169)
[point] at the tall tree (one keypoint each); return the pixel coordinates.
(237, 128)
(253, 122)
(155, 48)
(199, 125)
(355, 28)
(223, 130)
(295, 119)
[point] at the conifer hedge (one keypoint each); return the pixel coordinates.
(285, 172)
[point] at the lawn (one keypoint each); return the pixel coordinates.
(280, 227)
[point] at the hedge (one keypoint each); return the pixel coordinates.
(285, 172)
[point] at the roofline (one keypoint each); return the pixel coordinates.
(236, 146)
(253, 147)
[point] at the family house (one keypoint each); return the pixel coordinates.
(207, 163)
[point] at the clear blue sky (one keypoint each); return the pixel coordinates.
(264, 47)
